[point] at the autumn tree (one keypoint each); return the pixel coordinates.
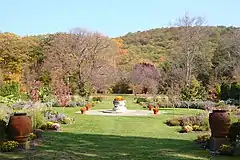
(75, 55)
(15, 54)
(226, 58)
(120, 46)
(145, 76)
(104, 76)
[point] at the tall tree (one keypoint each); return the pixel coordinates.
(15, 53)
(76, 54)
(226, 58)
(145, 76)
(190, 35)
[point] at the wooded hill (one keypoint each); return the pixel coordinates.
(189, 57)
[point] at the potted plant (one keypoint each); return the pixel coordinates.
(155, 111)
(83, 110)
(118, 98)
(150, 107)
(88, 106)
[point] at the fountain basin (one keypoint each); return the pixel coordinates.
(116, 113)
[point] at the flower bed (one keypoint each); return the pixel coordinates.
(190, 123)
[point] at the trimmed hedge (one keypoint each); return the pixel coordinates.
(230, 91)
(195, 104)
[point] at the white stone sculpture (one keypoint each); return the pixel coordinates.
(119, 106)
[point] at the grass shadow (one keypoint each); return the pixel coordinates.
(71, 146)
(96, 147)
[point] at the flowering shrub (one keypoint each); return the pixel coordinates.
(234, 131)
(226, 149)
(186, 129)
(173, 122)
(196, 128)
(10, 89)
(5, 113)
(53, 126)
(197, 122)
(33, 136)
(141, 99)
(8, 100)
(56, 126)
(203, 140)
(8, 146)
(118, 98)
(35, 91)
(54, 116)
(97, 99)
(62, 91)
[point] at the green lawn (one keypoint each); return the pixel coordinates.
(107, 137)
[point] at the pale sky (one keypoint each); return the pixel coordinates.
(110, 17)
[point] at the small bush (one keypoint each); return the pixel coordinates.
(77, 101)
(186, 129)
(235, 91)
(49, 124)
(10, 88)
(203, 140)
(97, 99)
(8, 100)
(225, 91)
(173, 122)
(198, 122)
(196, 128)
(236, 146)
(191, 120)
(33, 136)
(195, 91)
(195, 104)
(164, 102)
(56, 117)
(44, 127)
(53, 126)
(37, 118)
(142, 104)
(226, 149)
(76, 104)
(230, 91)
(141, 99)
(234, 131)
(44, 93)
(8, 146)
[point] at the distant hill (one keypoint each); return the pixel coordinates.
(160, 42)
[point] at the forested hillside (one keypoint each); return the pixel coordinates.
(183, 60)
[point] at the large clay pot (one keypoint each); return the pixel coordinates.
(219, 121)
(19, 127)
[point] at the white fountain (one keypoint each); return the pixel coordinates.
(119, 106)
(119, 109)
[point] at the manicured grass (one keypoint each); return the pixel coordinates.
(108, 137)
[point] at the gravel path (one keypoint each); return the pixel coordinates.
(113, 113)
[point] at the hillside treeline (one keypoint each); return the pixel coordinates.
(189, 60)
